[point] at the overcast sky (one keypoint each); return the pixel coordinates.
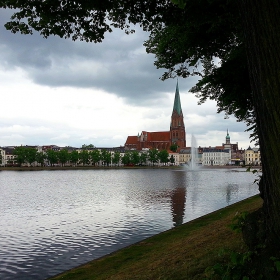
(55, 91)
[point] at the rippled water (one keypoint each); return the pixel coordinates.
(51, 221)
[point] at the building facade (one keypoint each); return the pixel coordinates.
(252, 156)
(214, 156)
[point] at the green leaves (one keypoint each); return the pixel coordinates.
(52, 156)
(276, 263)
(238, 221)
(235, 266)
(174, 147)
(153, 156)
(163, 156)
(63, 156)
(180, 3)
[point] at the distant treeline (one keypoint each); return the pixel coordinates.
(33, 157)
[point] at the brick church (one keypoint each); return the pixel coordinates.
(162, 139)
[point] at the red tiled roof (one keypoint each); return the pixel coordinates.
(220, 147)
(159, 136)
(131, 140)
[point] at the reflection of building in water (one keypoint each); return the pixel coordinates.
(170, 196)
(178, 200)
(231, 189)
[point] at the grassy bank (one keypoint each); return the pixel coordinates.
(180, 253)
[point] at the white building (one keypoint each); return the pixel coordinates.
(176, 157)
(187, 154)
(3, 157)
(212, 156)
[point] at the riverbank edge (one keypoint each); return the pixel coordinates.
(183, 252)
(41, 168)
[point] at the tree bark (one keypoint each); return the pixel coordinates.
(261, 22)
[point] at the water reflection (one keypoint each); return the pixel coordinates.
(230, 190)
(51, 221)
(178, 198)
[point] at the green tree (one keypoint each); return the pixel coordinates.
(135, 158)
(172, 159)
(86, 147)
(106, 157)
(74, 157)
(262, 32)
(30, 155)
(143, 158)
(116, 158)
(40, 158)
(163, 156)
(20, 153)
(174, 147)
(51, 156)
(126, 158)
(84, 157)
(153, 156)
(63, 156)
(95, 156)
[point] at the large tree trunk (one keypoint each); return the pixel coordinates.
(261, 22)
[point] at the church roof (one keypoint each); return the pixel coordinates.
(131, 140)
(159, 136)
(177, 102)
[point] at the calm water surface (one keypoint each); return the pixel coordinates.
(51, 221)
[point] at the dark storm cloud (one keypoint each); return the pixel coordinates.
(118, 65)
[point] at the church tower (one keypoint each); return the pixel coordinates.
(227, 145)
(227, 138)
(177, 126)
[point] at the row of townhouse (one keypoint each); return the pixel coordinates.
(203, 156)
(7, 156)
(218, 156)
(211, 156)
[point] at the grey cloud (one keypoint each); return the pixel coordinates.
(119, 65)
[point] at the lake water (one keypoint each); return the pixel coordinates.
(51, 221)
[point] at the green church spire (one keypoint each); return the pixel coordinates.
(177, 103)
(227, 135)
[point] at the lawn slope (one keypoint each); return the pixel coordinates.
(180, 253)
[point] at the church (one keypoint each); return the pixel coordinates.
(162, 140)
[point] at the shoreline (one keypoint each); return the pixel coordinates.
(183, 252)
(40, 168)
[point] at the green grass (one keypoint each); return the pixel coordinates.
(183, 252)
